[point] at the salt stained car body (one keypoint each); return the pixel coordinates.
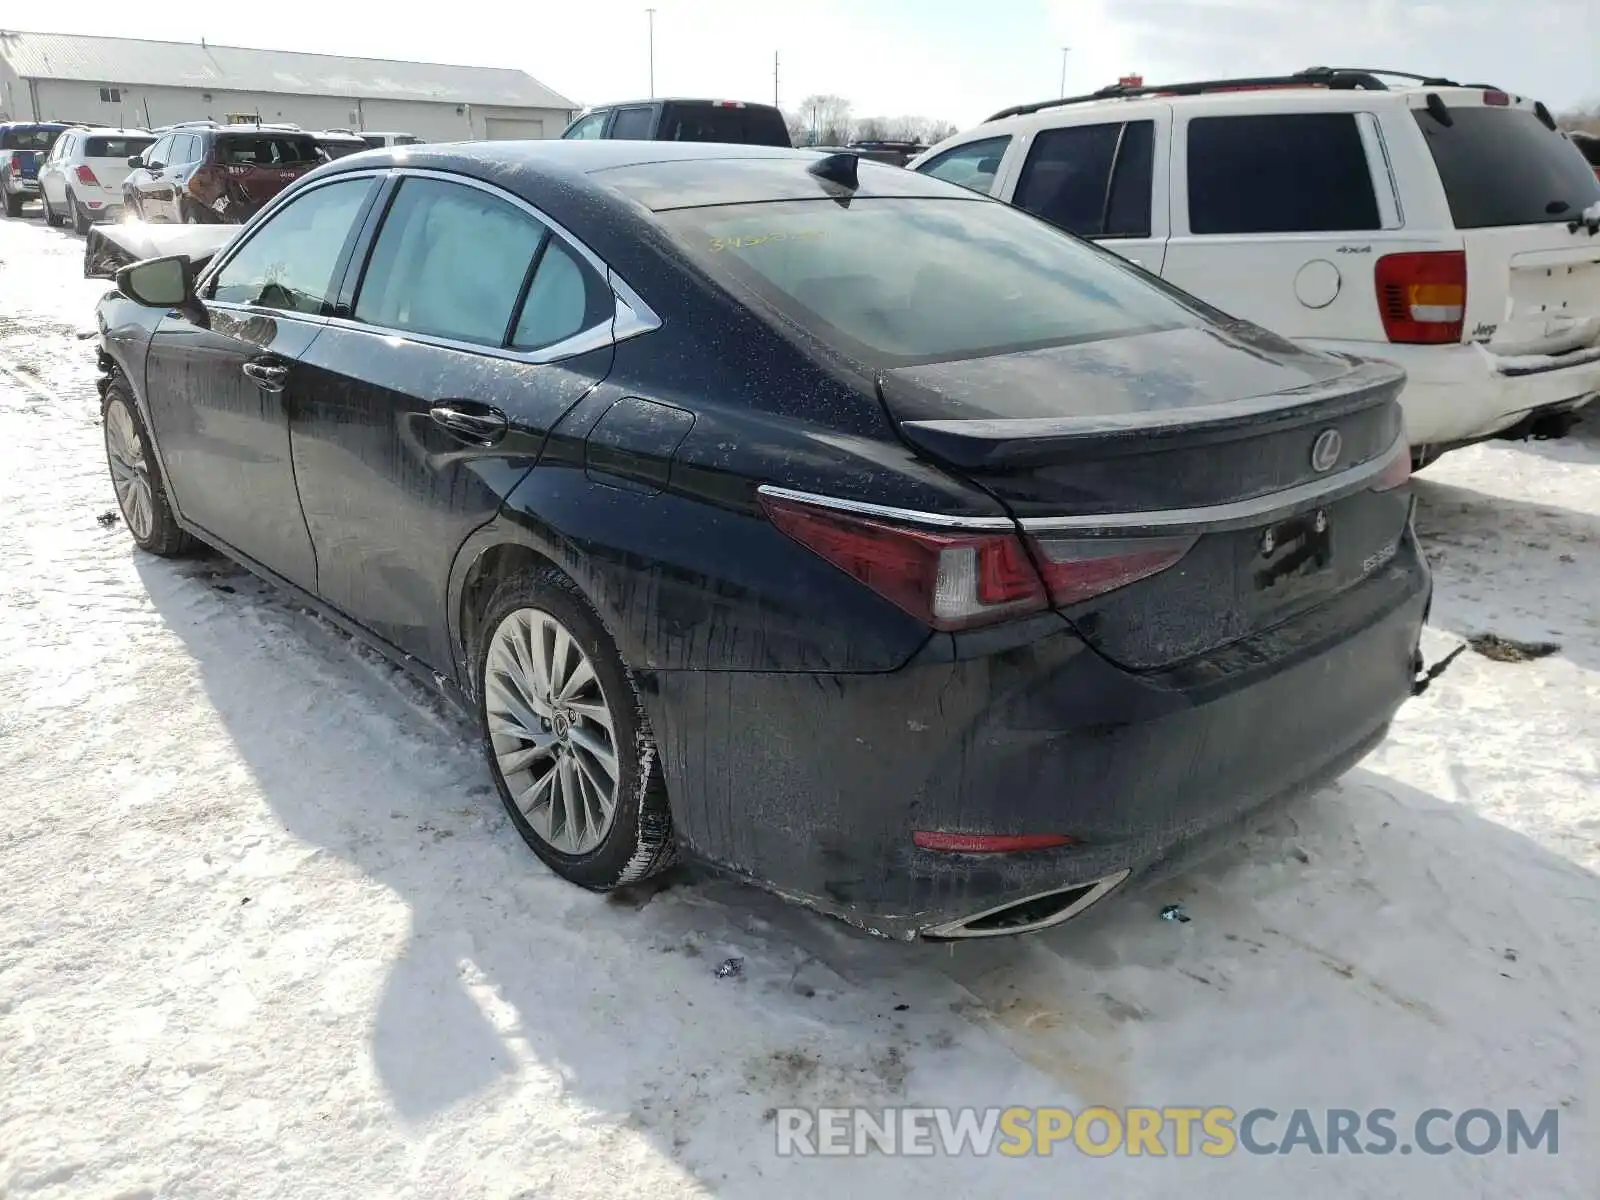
(863, 536)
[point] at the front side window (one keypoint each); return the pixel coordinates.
(1091, 180)
(897, 281)
(449, 261)
(1284, 173)
(288, 263)
(972, 166)
(159, 154)
(591, 126)
(633, 124)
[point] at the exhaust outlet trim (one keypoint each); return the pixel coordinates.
(1083, 896)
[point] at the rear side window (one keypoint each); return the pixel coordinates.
(892, 281)
(288, 262)
(1091, 180)
(722, 123)
(1289, 173)
(632, 124)
(116, 147)
(449, 261)
(564, 298)
(1502, 166)
(265, 150)
(972, 166)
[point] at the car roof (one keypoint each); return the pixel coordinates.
(679, 100)
(112, 131)
(656, 175)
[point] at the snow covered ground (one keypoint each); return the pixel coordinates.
(264, 930)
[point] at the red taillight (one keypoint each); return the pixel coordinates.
(1395, 474)
(988, 843)
(16, 162)
(1422, 297)
(86, 175)
(1498, 99)
(960, 580)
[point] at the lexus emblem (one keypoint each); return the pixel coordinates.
(1325, 450)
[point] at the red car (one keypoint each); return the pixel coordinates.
(209, 174)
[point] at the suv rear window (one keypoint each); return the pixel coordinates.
(265, 150)
(1280, 173)
(751, 125)
(1503, 166)
(29, 139)
(116, 147)
(897, 281)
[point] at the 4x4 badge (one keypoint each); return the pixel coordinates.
(1325, 450)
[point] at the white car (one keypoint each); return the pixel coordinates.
(81, 181)
(1451, 229)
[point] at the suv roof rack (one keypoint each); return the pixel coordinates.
(1335, 78)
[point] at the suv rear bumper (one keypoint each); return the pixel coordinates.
(1462, 393)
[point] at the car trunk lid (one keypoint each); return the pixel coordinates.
(1257, 459)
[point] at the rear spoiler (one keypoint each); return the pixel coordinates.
(1017, 442)
(109, 248)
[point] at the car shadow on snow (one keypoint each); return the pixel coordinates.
(1369, 945)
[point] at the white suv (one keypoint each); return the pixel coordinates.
(81, 181)
(1450, 229)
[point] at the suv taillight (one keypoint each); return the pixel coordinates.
(16, 162)
(956, 581)
(86, 175)
(1422, 297)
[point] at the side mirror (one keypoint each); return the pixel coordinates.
(159, 282)
(136, 160)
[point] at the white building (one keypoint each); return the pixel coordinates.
(130, 82)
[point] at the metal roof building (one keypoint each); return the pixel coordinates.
(133, 82)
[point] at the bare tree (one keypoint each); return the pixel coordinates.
(827, 118)
(799, 131)
(872, 129)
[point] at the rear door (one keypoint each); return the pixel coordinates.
(472, 330)
(1279, 216)
(1099, 182)
(1515, 187)
(53, 171)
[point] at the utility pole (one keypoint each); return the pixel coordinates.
(1064, 50)
(651, 14)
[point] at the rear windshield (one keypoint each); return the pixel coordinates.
(29, 139)
(898, 281)
(265, 150)
(116, 147)
(753, 125)
(1502, 166)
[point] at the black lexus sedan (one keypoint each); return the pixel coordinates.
(862, 536)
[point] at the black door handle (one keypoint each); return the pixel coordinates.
(479, 423)
(268, 376)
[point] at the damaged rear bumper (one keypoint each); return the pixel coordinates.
(813, 785)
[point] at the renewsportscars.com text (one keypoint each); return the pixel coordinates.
(1215, 1132)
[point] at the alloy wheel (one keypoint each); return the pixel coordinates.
(130, 473)
(552, 731)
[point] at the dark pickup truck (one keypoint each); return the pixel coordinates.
(684, 121)
(23, 146)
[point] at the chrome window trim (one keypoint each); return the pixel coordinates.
(630, 318)
(1237, 513)
(1391, 214)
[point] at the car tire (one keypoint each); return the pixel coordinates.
(80, 219)
(136, 477)
(13, 205)
(549, 755)
(51, 218)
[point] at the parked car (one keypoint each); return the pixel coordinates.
(109, 247)
(205, 174)
(985, 572)
(336, 143)
(1588, 145)
(377, 140)
(1432, 224)
(731, 121)
(896, 153)
(81, 179)
(23, 144)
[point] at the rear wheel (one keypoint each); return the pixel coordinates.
(13, 205)
(141, 492)
(567, 740)
(50, 216)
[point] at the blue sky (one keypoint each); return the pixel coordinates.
(954, 59)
